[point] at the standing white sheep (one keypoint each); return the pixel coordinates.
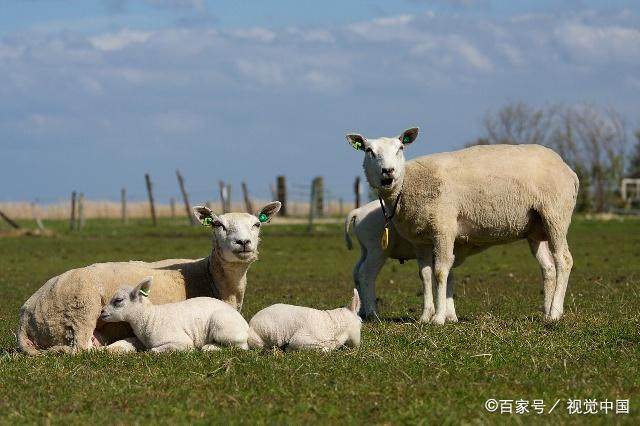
(202, 322)
(472, 199)
(297, 327)
(63, 315)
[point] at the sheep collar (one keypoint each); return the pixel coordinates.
(384, 241)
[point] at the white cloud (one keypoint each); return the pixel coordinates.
(264, 72)
(256, 34)
(119, 40)
(600, 43)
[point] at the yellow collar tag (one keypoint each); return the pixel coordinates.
(384, 242)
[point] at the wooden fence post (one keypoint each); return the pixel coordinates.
(185, 197)
(80, 222)
(223, 196)
(72, 216)
(229, 208)
(312, 205)
(147, 178)
(172, 205)
(356, 189)
(9, 220)
(318, 188)
(282, 194)
(248, 205)
(123, 206)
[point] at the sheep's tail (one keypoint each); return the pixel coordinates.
(347, 225)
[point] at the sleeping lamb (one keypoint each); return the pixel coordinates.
(296, 327)
(63, 315)
(202, 322)
(471, 199)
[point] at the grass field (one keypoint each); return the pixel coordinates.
(404, 372)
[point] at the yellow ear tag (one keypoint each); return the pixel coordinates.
(384, 242)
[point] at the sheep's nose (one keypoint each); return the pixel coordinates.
(388, 171)
(243, 243)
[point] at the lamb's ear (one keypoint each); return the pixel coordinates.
(204, 215)
(142, 289)
(356, 141)
(267, 212)
(409, 135)
(354, 306)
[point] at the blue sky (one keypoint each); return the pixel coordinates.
(96, 93)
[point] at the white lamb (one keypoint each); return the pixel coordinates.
(454, 204)
(296, 327)
(202, 322)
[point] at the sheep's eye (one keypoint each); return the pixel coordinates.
(118, 301)
(256, 225)
(218, 224)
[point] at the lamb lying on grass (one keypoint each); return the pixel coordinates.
(202, 322)
(296, 327)
(63, 315)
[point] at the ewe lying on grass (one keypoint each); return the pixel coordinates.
(202, 322)
(296, 327)
(473, 199)
(63, 315)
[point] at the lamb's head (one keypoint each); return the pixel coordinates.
(126, 300)
(354, 322)
(236, 235)
(384, 158)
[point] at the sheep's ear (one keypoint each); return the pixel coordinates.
(267, 212)
(356, 141)
(204, 215)
(142, 289)
(354, 306)
(409, 135)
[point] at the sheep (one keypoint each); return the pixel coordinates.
(471, 199)
(369, 224)
(296, 327)
(63, 315)
(201, 322)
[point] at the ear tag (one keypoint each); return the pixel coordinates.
(357, 146)
(143, 292)
(406, 139)
(207, 221)
(263, 217)
(384, 241)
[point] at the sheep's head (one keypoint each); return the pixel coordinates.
(236, 235)
(124, 299)
(384, 158)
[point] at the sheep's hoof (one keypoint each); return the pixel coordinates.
(553, 317)
(451, 318)
(438, 319)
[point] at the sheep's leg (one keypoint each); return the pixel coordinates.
(451, 309)
(357, 274)
(370, 269)
(425, 260)
(174, 346)
(564, 262)
(540, 250)
(443, 253)
(130, 344)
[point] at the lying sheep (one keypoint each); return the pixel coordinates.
(202, 322)
(63, 315)
(296, 327)
(472, 199)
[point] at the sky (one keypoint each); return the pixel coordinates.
(96, 93)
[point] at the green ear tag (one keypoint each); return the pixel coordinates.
(406, 139)
(145, 293)
(263, 217)
(357, 146)
(207, 221)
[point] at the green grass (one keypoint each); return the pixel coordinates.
(404, 372)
